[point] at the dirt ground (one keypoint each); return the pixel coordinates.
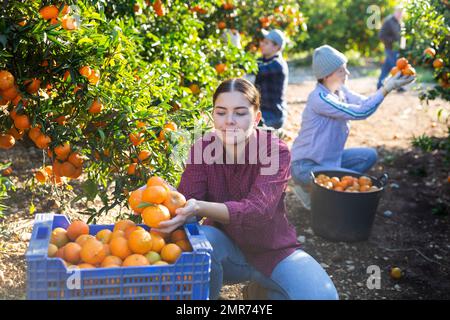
(406, 232)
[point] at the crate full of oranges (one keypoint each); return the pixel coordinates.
(120, 261)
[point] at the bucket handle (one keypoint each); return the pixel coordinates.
(383, 179)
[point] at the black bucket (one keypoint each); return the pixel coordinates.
(344, 216)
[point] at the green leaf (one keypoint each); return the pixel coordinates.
(146, 204)
(90, 189)
(85, 40)
(3, 40)
(102, 134)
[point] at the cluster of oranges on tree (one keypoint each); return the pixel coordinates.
(138, 137)
(427, 36)
(105, 102)
(9, 94)
(66, 162)
(346, 183)
(126, 245)
(58, 15)
(432, 57)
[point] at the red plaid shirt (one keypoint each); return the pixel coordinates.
(255, 201)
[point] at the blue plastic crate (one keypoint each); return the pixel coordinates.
(48, 278)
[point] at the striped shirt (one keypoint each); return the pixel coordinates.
(325, 123)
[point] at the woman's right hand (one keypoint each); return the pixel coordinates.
(397, 81)
(181, 216)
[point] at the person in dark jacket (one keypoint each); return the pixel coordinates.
(272, 79)
(390, 36)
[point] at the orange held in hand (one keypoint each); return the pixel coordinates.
(135, 199)
(153, 215)
(174, 201)
(154, 194)
(404, 67)
(402, 63)
(408, 71)
(394, 71)
(155, 181)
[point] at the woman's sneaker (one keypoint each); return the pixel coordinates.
(303, 196)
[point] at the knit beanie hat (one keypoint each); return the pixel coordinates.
(326, 60)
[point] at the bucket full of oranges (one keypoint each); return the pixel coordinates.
(343, 205)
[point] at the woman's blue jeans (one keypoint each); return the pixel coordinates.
(296, 277)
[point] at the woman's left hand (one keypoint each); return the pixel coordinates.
(181, 215)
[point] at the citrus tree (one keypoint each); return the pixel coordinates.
(104, 89)
(346, 25)
(428, 38)
(249, 17)
(428, 44)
